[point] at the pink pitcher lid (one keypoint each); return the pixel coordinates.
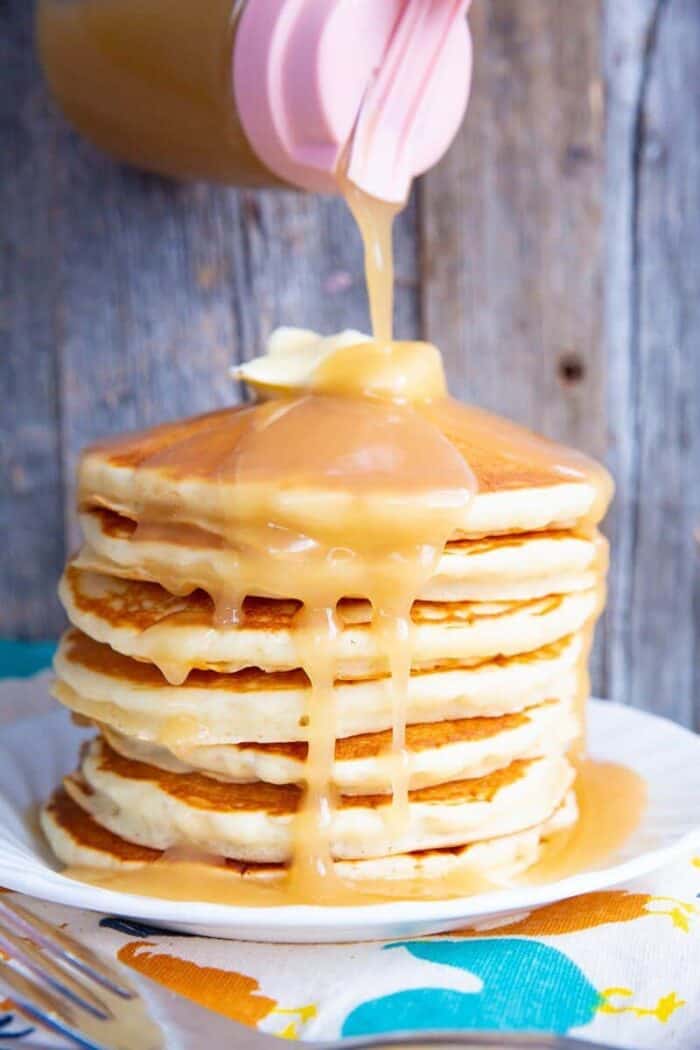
(309, 73)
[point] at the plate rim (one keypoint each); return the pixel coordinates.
(325, 918)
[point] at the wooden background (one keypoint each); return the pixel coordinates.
(554, 256)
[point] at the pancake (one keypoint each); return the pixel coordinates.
(80, 842)
(212, 707)
(145, 621)
(254, 822)
(437, 752)
(528, 565)
(524, 482)
(329, 631)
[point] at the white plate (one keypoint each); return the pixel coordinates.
(35, 753)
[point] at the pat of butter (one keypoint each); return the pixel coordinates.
(346, 364)
(292, 357)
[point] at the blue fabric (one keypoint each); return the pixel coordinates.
(21, 659)
(526, 986)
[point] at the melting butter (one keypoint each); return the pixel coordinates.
(348, 364)
(291, 358)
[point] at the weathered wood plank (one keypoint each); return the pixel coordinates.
(31, 515)
(148, 330)
(511, 223)
(653, 324)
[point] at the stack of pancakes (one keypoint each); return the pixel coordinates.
(203, 725)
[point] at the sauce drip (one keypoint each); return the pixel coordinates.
(611, 800)
(375, 220)
(395, 488)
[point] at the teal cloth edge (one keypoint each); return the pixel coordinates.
(22, 659)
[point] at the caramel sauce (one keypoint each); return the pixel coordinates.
(611, 800)
(375, 221)
(349, 489)
(172, 879)
(383, 550)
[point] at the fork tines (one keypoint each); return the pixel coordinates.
(54, 980)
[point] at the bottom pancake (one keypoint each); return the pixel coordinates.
(80, 842)
(162, 809)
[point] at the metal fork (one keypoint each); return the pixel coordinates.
(66, 988)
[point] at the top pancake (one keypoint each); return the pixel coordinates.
(524, 482)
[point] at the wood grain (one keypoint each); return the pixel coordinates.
(511, 240)
(653, 336)
(511, 224)
(31, 505)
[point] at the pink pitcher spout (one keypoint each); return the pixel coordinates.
(393, 77)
